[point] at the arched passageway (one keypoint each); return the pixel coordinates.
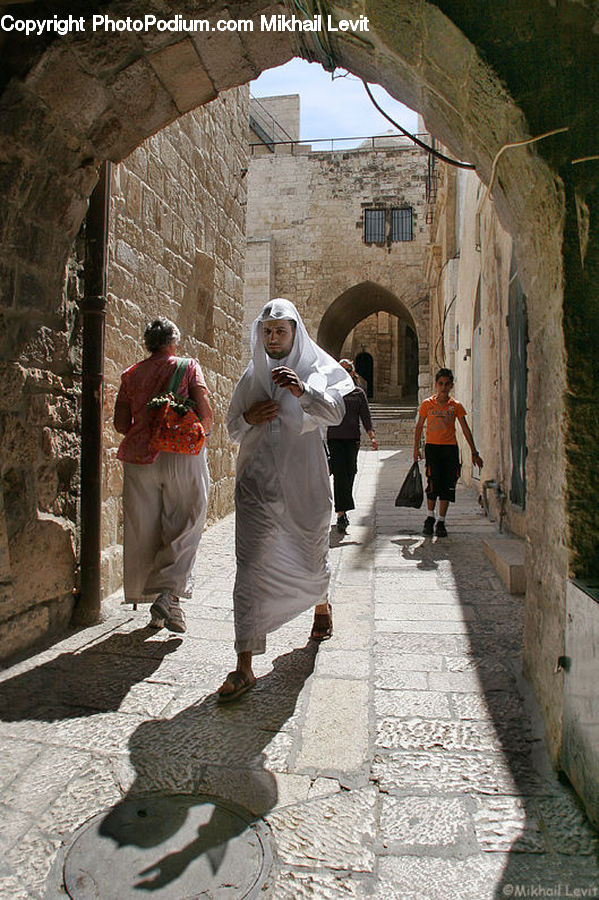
(370, 320)
(481, 77)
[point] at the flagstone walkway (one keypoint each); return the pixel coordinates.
(402, 759)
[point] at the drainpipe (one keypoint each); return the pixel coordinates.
(93, 309)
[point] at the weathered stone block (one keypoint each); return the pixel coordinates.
(13, 377)
(46, 538)
(23, 630)
(181, 72)
(47, 484)
(141, 96)
(19, 445)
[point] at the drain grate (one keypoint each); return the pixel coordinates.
(175, 846)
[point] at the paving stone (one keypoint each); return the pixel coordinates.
(567, 827)
(92, 791)
(424, 734)
(321, 885)
(430, 878)
(337, 707)
(417, 662)
(336, 832)
(434, 772)
(16, 756)
(417, 612)
(444, 644)
(456, 682)
(396, 679)
(385, 593)
(32, 856)
(44, 779)
(431, 822)
(259, 791)
(13, 824)
(422, 627)
(400, 704)
(343, 663)
(508, 824)
(495, 706)
(11, 888)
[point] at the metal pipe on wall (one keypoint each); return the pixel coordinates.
(93, 309)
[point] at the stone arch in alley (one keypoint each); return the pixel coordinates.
(368, 318)
(68, 103)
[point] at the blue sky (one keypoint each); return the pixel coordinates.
(330, 107)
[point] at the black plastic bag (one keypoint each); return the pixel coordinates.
(411, 492)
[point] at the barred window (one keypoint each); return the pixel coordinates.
(401, 224)
(374, 226)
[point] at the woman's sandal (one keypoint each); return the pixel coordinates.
(241, 683)
(322, 629)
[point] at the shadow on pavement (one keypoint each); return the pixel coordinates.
(529, 827)
(208, 749)
(84, 682)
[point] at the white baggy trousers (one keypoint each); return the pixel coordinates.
(164, 506)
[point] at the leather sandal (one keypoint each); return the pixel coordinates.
(322, 629)
(241, 683)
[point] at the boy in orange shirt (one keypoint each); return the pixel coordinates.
(441, 449)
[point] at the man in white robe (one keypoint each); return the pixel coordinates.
(290, 391)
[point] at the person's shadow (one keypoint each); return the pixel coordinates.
(206, 749)
(84, 682)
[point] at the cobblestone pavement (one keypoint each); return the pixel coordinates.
(402, 759)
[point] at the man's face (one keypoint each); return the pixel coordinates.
(444, 386)
(278, 335)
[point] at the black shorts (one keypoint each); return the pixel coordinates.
(442, 471)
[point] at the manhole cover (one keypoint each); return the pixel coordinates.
(175, 846)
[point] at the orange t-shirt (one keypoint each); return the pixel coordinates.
(440, 420)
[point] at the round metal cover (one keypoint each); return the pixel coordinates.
(174, 846)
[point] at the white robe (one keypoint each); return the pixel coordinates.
(283, 494)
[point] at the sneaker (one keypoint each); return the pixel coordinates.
(440, 529)
(429, 526)
(342, 523)
(159, 610)
(175, 621)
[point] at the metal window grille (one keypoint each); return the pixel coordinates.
(374, 226)
(401, 224)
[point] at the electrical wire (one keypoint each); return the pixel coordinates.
(522, 143)
(412, 137)
(584, 159)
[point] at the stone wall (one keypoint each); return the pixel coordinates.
(486, 253)
(310, 207)
(177, 249)
(39, 462)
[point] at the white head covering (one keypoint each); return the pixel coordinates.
(315, 367)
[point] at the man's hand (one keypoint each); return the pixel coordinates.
(477, 461)
(260, 412)
(287, 378)
(417, 454)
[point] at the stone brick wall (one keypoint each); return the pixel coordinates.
(39, 463)
(310, 206)
(177, 249)
(485, 254)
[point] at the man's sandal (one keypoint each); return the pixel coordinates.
(241, 683)
(322, 629)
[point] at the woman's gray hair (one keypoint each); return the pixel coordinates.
(160, 333)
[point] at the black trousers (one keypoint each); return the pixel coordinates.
(343, 456)
(442, 470)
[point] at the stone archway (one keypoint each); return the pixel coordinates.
(389, 345)
(69, 103)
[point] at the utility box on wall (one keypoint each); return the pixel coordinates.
(580, 739)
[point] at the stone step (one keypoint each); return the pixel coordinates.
(391, 433)
(507, 556)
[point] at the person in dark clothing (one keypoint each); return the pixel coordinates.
(343, 441)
